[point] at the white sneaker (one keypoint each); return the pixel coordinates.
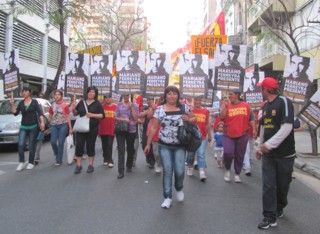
(166, 204)
(30, 166)
(21, 166)
(227, 176)
(190, 171)
(237, 179)
(105, 164)
(180, 196)
(157, 169)
(203, 177)
(110, 165)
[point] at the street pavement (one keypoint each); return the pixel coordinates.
(53, 200)
(304, 161)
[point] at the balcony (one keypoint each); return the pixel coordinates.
(264, 8)
(268, 54)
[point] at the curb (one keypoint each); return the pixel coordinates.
(308, 168)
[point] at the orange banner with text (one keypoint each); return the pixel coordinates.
(206, 44)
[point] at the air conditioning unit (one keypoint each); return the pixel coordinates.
(239, 29)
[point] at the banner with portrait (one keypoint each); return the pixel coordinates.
(251, 92)
(297, 78)
(11, 79)
(130, 72)
(61, 82)
(101, 73)
(207, 101)
(193, 75)
(229, 67)
(311, 112)
(158, 70)
(77, 72)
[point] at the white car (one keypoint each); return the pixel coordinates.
(10, 124)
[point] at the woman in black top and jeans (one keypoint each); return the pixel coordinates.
(95, 112)
(29, 127)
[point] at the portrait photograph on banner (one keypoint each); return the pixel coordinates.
(251, 92)
(297, 78)
(130, 72)
(101, 73)
(77, 72)
(61, 81)
(11, 79)
(311, 112)
(193, 75)
(207, 101)
(229, 67)
(158, 70)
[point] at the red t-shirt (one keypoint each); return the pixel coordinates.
(106, 125)
(59, 112)
(237, 120)
(202, 118)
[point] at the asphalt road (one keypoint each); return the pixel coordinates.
(53, 200)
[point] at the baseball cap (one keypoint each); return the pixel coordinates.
(269, 83)
(26, 88)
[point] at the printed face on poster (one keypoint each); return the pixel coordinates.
(130, 71)
(158, 69)
(10, 71)
(252, 92)
(297, 78)
(101, 73)
(77, 71)
(193, 75)
(229, 67)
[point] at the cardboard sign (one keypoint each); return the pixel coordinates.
(206, 44)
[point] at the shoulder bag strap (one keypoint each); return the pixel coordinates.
(85, 105)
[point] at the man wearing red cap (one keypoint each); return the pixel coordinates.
(277, 150)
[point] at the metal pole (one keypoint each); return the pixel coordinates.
(45, 47)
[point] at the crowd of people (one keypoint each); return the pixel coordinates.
(231, 133)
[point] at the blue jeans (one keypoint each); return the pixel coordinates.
(201, 155)
(173, 159)
(58, 136)
(32, 134)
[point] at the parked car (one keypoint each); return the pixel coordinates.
(10, 124)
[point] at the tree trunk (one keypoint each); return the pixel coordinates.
(62, 55)
(314, 141)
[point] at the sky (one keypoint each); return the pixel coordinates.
(168, 19)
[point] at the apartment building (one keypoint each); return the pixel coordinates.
(92, 31)
(37, 38)
(269, 53)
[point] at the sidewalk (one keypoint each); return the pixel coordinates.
(305, 162)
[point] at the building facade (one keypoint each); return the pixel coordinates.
(36, 36)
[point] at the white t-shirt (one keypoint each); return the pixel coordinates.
(169, 122)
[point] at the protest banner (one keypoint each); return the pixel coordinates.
(130, 72)
(11, 79)
(101, 73)
(158, 68)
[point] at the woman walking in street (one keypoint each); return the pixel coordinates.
(127, 112)
(60, 125)
(95, 112)
(237, 116)
(31, 111)
(169, 116)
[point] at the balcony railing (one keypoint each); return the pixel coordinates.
(263, 50)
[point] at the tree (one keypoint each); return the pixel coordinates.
(289, 30)
(58, 11)
(64, 9)
(119, 25)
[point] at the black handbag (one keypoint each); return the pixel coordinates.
(121, 128)
(189, 135)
